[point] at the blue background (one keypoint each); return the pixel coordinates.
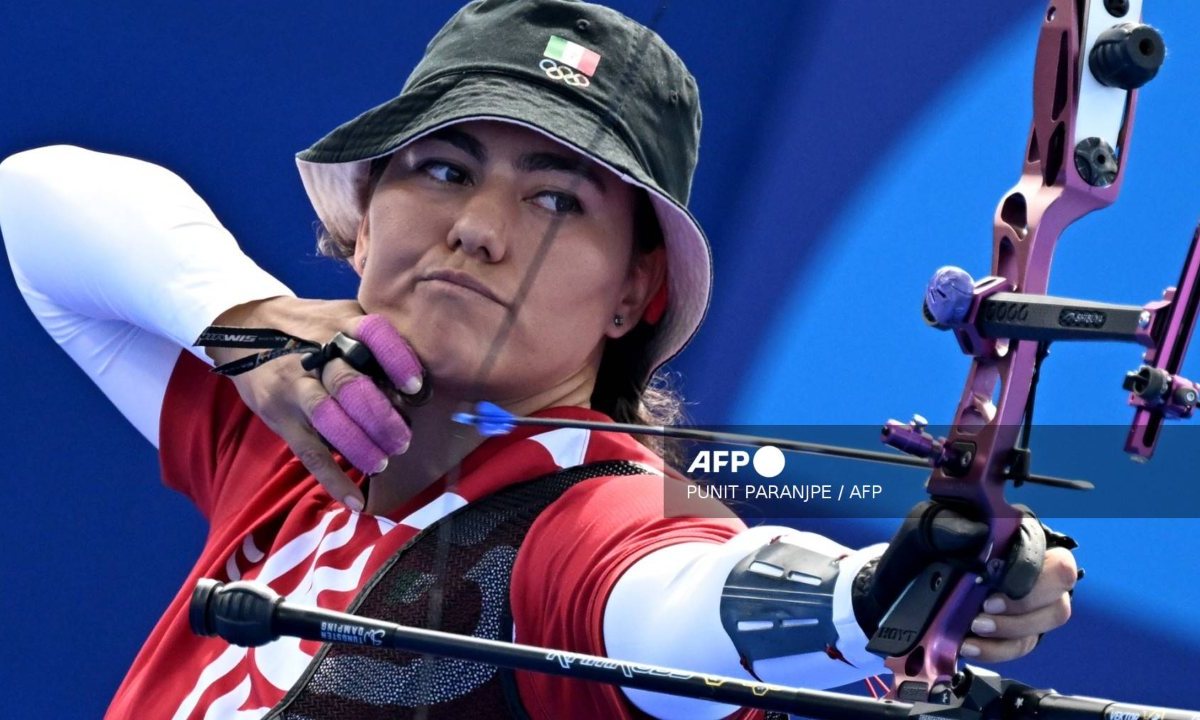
(849, 149)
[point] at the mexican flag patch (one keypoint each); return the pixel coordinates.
(572, 54)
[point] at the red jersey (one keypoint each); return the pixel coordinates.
(270, 521)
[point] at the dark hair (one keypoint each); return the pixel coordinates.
(619, 392)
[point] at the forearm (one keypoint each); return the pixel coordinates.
(123, 265)
(685, 606)
(113, 238)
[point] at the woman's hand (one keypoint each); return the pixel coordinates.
(1008, 628)
(346, 408)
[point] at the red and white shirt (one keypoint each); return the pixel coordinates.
(273, 523)
(124, 265)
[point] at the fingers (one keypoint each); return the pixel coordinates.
(306, 445)
(337, 407)
(1036, 622)
(368, 408)
(998, 638)
(1058, 576)
(1009, 628)
(393, 353)
(336, 426)
(998, 650)
(356, 417)
(357, 420)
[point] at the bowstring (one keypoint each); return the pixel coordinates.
(434, 615)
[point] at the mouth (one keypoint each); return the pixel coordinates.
(462, 280)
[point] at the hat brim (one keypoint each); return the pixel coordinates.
(335, 175)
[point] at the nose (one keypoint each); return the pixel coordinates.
(481, 229)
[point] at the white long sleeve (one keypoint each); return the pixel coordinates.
(665, 610)
(123, 264)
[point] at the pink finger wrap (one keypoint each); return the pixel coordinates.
(332, 422)
(394, 354)
(370, 409)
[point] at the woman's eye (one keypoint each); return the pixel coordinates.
(559, 202)
(444, 172)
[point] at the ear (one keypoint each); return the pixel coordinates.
(647, 273)
(362, 242)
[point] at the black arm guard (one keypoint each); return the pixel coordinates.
(778, 601)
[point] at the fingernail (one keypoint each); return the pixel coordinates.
(969, 650)
(413, 386)
(994, 605)
(381, 467)
(353, 503)
(404, 449)
(983, 625)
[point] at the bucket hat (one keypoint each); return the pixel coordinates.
(581, 74)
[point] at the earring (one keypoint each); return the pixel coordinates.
(618, 320)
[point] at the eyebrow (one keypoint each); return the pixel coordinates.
(529, 162)
(463, 141)
(533, 162)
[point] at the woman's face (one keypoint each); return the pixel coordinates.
(450, 252)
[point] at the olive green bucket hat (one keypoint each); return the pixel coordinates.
(583, 75)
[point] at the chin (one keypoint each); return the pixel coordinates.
(452, 359)
(457, 374)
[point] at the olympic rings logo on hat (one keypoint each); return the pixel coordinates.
(561, 72)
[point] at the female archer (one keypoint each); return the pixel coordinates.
(517, 217)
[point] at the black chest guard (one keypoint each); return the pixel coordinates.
(454, 576)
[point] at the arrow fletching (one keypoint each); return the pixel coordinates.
(489, 419)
